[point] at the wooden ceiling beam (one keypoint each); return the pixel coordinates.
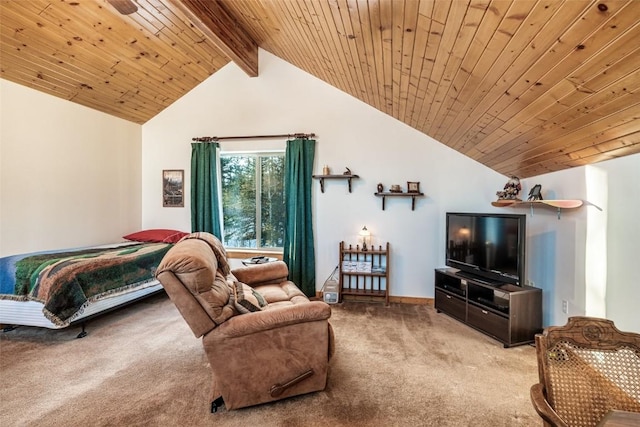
(223, 30)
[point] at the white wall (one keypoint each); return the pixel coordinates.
(623, 238)
(284, 99)
(556, 248)
(588, 256)
(69, 175)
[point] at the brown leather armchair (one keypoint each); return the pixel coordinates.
(586, 369)
(263, 337)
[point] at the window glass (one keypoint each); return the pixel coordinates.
(253, 200)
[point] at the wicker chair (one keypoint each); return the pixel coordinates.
(586, 368)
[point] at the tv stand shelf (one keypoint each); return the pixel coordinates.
(510, 314)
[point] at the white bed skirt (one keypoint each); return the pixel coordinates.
(29, 313)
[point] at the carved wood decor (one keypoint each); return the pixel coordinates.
(524, 87)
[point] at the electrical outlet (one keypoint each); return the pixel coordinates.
(533, 285)
(565, 306)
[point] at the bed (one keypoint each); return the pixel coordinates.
(56, 289)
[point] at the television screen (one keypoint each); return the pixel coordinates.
(488, 245)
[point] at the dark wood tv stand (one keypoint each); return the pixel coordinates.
(510, 314)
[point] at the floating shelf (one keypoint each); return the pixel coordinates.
(323, 177)
(413, 196)
(558, 204)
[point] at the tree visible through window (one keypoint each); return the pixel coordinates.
(253, 200)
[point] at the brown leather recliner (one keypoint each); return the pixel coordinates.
(263, 337)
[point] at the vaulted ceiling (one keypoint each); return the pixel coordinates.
(523, 86)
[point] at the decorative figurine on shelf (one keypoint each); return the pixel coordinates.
(380, 188)
(511, 189)
(347, 172)
(535, 193)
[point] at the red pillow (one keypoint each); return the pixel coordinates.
(157, 235)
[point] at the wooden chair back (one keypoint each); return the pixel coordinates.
(587, 368)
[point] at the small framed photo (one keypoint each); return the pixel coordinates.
(173, 188)
(413, 187)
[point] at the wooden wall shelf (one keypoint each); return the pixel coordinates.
(323, 177)
(557, 204)
(413, 196)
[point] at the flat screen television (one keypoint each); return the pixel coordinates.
(487, 245)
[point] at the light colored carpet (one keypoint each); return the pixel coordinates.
(401, 365)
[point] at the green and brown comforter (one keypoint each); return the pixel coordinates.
(66, 282)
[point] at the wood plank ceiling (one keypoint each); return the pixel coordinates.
(523, 86)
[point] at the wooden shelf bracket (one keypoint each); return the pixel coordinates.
(323, 177)
(390, 194)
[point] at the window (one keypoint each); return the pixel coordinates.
(253, 200)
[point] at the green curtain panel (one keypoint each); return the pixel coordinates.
(299, 253)
(205, 200)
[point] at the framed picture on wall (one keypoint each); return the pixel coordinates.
(173, 188)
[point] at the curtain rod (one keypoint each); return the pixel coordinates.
(285, 135)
